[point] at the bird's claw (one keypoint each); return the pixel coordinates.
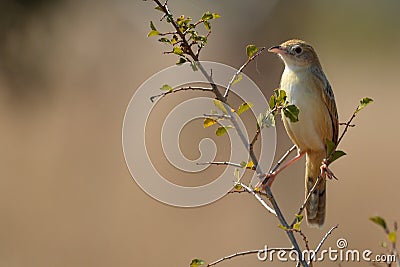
(326, 171)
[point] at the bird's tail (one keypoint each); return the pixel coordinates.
(316, 205)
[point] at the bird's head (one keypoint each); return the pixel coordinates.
(296, 53)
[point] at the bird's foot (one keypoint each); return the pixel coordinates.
(326, 171)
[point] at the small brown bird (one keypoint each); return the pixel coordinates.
(308, 88)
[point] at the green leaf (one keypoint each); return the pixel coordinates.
(330, 146)
(153, 33)
(164, 40)
(250, 50)
(220, 105)
(280, 97)
(216, 15)
(392, 237)
(244, 107)
(174, 39)
(250, 165)
(209, 122)
(272, 101)
(177, 50)
(299, 217)
(197, 262)
(291, 112)
(200, 38)
(282, 227)
(260, 120)
(166, 87)
(152, 27)
(269, 120)
(238, 79)
(265, 120)
(222, 130)
(207, 25)
(181, 61)
(363, 103)
(296, 227)
(379, 221)
(238, 186)
(208, 15)
(336, 155)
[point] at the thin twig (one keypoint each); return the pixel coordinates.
(348, 124)
(234, 191)
(219, 116)
(322, 242)
(304, 238)
(201, 47)
(282, 159)
(249, 252)
(220, 163)
(285, 224)
(345, 123)
(179, 90)
(166, 33)
(226, 163)
(262, 202)
(250, 59)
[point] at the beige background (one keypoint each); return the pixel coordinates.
(67, 72)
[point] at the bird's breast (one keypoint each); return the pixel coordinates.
(302, 91)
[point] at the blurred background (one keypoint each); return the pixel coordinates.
(67, 72)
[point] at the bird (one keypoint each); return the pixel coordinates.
(307, 88)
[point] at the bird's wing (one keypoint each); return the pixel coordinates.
(329, 100)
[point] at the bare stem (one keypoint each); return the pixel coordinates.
(226, 163)
(240, 70)
(323, 241)
(249, 252)
(262, 202)
(348, 125)
(282, 159)
(285, 224)
(179, 90)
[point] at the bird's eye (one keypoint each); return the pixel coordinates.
(298, 50)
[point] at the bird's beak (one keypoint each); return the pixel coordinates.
(277, 50)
